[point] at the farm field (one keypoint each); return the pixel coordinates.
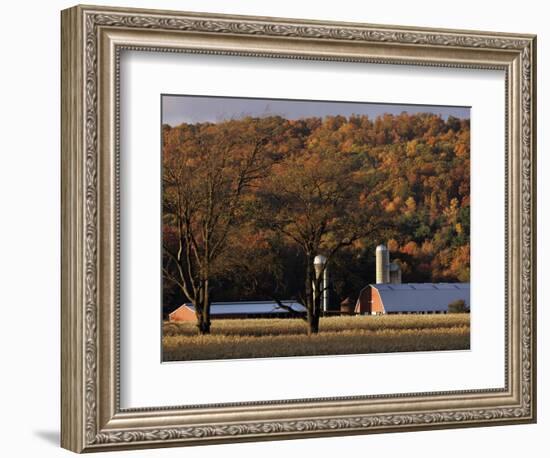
(262, 338)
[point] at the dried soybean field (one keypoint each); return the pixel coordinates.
(261, 338)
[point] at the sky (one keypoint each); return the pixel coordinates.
(191, 109)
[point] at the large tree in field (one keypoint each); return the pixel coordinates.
(319, 200)
(207, 169)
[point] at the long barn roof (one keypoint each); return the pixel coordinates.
(252, 308)
(421, 297)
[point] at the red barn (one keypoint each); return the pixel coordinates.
(385, 298)
(184, 312)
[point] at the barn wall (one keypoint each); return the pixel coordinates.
(182, 314)
(364, 301)
(377, 306)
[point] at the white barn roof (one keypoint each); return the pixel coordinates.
(421, 297)
(252, 308)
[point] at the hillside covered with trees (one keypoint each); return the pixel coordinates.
(248, 203)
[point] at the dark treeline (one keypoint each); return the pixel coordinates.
(248, 203)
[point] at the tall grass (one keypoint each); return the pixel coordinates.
(261, 338)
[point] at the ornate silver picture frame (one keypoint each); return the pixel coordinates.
(93, 39)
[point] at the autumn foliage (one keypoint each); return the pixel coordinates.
(268, 194)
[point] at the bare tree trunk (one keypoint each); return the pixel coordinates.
(203, 320)
(316, 308)
(204, 326)
(203, 309)
(206, 309)
(314, 325)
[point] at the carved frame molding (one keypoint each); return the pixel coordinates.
(92, 39)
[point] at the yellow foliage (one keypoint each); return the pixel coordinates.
(411, 204)
(411, 148)
(451, 212)
(393, 245)
(461, 150)
(427, 248)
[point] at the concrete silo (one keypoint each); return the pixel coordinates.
(319, 263)
(395, 273)
(382, 264)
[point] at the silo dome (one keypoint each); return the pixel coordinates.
(319, 260)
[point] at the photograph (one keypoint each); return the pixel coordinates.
(313, 227)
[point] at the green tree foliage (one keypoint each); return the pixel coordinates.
(458, 306)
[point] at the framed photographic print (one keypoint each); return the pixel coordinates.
(278, 228)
